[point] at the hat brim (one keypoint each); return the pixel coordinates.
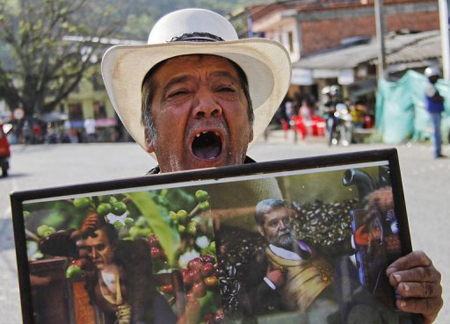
(266, 64)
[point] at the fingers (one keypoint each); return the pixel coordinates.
(419, 274)
(412, 260)
(419, 289)
(75, 234)
(276, 277)
(429, 307)
(90, 221)
(418, 285)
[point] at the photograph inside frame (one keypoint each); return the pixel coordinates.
(306, 246)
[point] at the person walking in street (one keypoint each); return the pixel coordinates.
(434, 104)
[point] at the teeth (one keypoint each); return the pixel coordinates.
(198, 135)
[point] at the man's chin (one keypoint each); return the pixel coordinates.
(99, 265)
(285, 242)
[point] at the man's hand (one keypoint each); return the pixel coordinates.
(275, 276)
(418, 283)
(89, 223)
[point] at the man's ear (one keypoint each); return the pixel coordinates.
(261, 230)
(149, 147)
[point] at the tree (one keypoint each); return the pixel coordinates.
(38, 66)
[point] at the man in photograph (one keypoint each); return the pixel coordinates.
(119, 277)
(198, 97)
(290, 275)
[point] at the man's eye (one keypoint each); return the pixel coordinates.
(226, 89)
(100, 247)
(177, 93)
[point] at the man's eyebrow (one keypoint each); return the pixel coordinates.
(175, 80)
(226, 74)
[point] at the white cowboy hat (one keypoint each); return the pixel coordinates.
(266, 64)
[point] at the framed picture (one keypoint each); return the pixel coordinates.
(294, 241)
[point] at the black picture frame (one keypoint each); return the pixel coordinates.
(222, 232)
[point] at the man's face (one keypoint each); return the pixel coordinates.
(99, 249)
(277, 227)
(200, 114)
(433, 79)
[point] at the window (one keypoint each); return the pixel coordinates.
(75, 111)
(99, 110)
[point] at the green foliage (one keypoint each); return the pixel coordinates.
(141, 14)
(169, 239)
(38, 67)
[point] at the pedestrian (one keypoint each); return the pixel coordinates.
(197, 97)
(26, 133)
(358, 111)
(37, 133)
(89, 126)
(434, 103)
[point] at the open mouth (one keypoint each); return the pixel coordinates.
(207, 145)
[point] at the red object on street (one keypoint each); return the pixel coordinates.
(368, 122)
(4, 152)
(313, 127)
(4, 145)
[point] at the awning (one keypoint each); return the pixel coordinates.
(106, 122)
(413, 49)
(53, 117)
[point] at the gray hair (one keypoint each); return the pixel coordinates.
(266, 206)
(149, 87)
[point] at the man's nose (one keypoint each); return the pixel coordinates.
(281, 224)
(93, 253)
(205, 106)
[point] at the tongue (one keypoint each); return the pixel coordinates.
(207, 146)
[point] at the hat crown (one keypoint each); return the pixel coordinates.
(190, 21)
(432, 71)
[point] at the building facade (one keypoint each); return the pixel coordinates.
(313, 28)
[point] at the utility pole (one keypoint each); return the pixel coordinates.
(445, 41)
(379, 19)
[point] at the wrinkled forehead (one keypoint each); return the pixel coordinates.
(175, 64)
(278, 213)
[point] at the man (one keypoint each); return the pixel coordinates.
(292, 275)
(118, 273)
(434, 103)
(333, 102)
(288, 275)
(204, 97)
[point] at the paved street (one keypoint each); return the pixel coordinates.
(426, 184)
